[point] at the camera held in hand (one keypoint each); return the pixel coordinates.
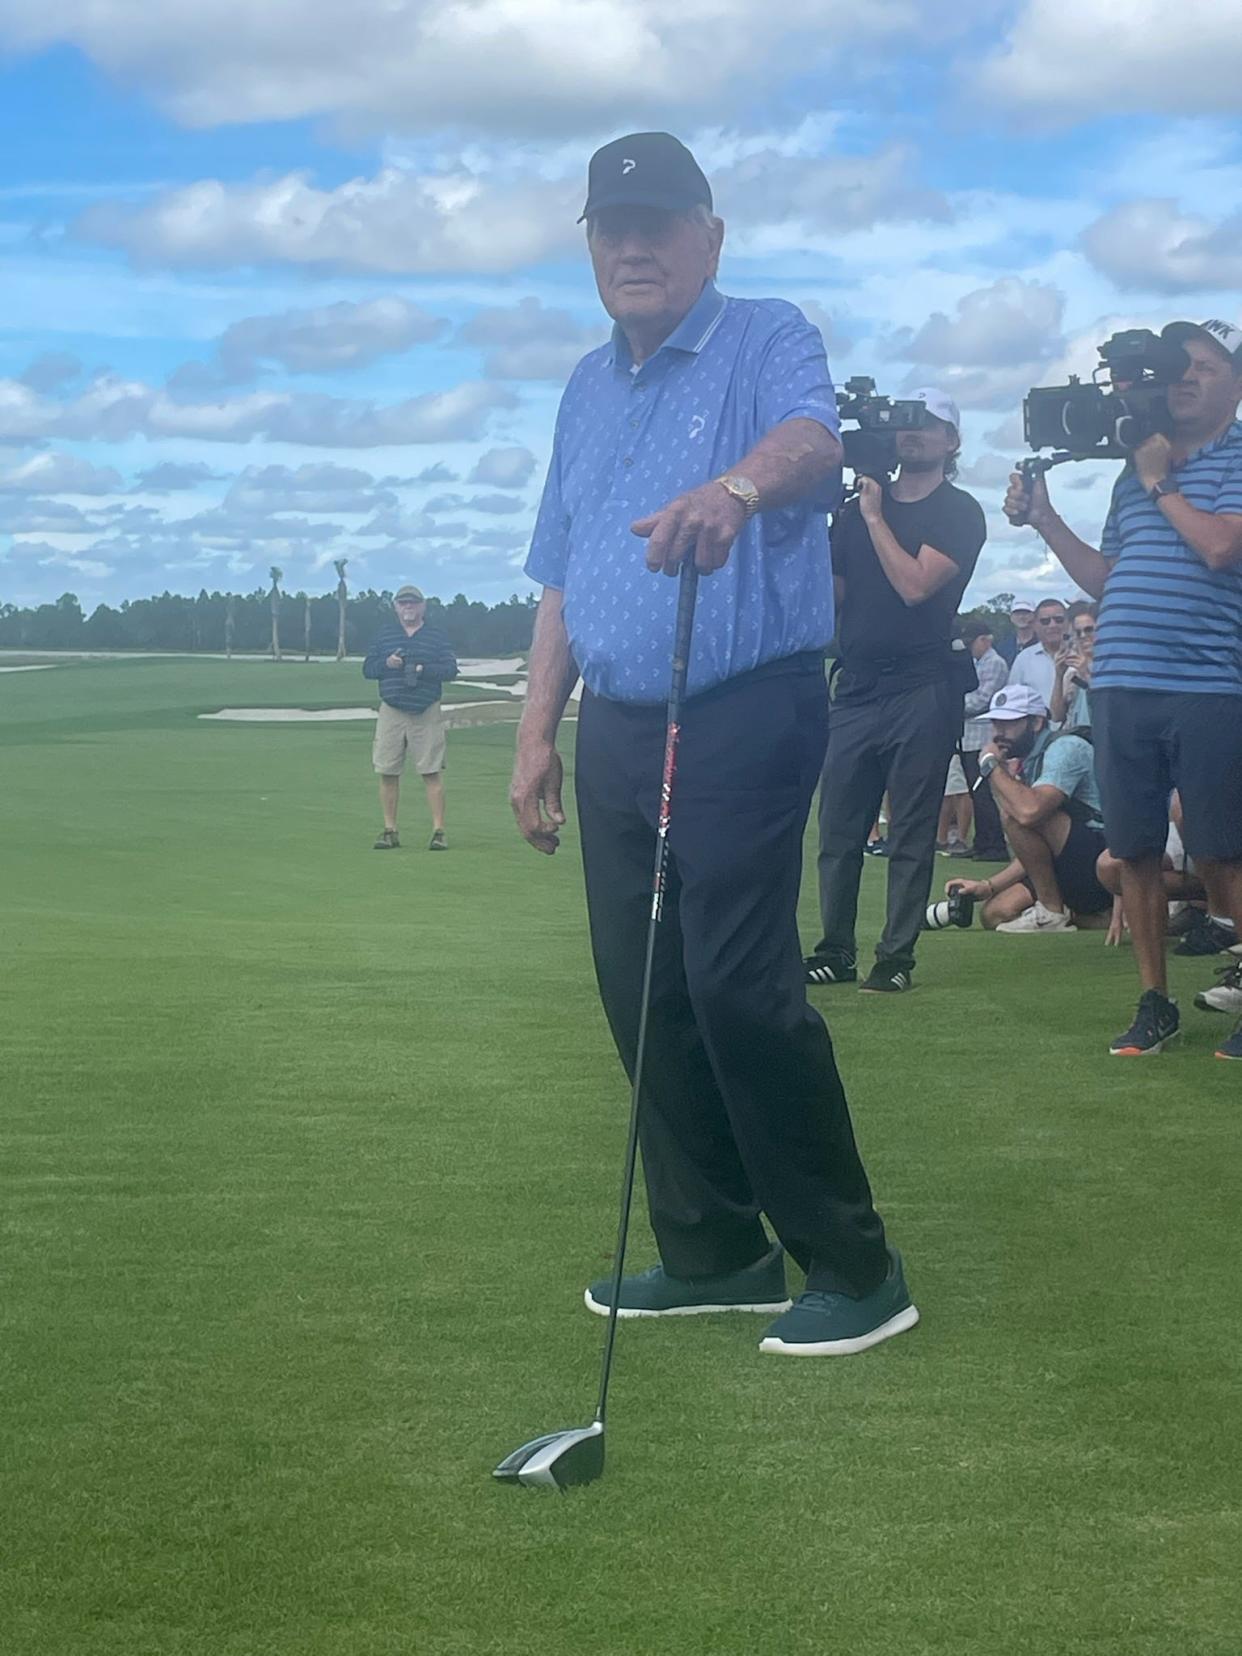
(871, 450)
(957, 909)
(1126, 402)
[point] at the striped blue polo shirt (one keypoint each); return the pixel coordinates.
(1167, 621)
(629, 440)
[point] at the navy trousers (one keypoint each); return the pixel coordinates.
(743, 1111)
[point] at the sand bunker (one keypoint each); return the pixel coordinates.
(326, 715)
(31, 667)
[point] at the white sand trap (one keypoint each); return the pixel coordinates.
(328, 715)
(30, 667)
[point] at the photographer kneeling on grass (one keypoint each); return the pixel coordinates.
(1051, 812)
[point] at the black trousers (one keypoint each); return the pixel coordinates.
(989, 831)
(901, 741)
(743, 1111)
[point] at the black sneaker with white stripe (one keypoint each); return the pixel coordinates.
(887, 977)
(830, 968)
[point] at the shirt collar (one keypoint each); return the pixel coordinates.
(690, 335)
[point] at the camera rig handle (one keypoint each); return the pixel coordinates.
(1038, 465)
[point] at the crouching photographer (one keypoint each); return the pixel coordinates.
(1051, 811)
(1166, 679)
(902, 554)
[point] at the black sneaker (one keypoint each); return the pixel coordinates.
(388, 840)
(887, 977)
(438, 841)
(1155, 1024)
(1207, 937)
(1232, 1048)
(876, 848)
(830, 968)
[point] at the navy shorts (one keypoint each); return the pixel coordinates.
(1074, 867)
(1148, 742)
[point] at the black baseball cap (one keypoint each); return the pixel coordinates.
(1226, 337)
(646, 169)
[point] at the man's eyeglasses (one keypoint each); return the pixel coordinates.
(1051, 620)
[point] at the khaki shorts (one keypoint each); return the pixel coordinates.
(397, 733)
(955, 782)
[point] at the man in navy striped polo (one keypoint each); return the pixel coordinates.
(706, 428)
(1166, 689)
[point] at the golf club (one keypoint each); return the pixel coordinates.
(560, 1460)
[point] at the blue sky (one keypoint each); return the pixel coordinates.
(296, 281)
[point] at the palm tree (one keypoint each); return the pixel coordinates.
(277, 575)
(342, 593)
(230, 615)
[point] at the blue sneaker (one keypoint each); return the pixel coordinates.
(834, 1325)
(653, 1293)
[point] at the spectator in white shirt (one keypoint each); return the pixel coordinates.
(1036, 666)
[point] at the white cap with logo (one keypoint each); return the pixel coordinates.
(941, 404)
(1017, 701)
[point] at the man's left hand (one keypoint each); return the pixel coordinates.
(702, 524)
(1153, 460)
(870, 501)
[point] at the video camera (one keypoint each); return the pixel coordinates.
(871, 451)
(1125, 403)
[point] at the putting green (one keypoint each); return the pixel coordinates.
(308, 1151)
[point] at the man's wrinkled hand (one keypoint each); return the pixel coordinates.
(702, 524)
(535, 794)
(1153, 460)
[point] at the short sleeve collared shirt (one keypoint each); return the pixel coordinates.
(629, 440)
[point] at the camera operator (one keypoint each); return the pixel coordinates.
(902, 557)
(1166, 683)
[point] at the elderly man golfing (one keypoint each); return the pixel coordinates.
(705, 431)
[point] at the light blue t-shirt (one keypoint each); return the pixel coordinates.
(1067, 763)
(629, 441)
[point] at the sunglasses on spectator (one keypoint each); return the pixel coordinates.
(1051, 620)
(1085, 632)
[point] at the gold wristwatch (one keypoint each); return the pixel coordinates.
(741, 488)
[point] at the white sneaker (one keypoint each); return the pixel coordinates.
(1227, 994)
(1040, 919)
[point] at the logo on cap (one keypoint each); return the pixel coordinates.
(627, 166)
(1001, 699)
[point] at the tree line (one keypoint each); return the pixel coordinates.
(269, 620)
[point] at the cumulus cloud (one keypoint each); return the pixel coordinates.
(437, 473)
(406, 526)
(262, 490)
(988, 351)
(530, 341)
(50, 370)
(112, 409)
(20, 516)
(55, 472)
(1152, 246)
(832, 194)
(398, 222)
(1089, 58)
(533, 67)
(493, 504)
(172, 476)
(326, 337)
(503, 468)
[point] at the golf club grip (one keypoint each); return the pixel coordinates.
(687, 593)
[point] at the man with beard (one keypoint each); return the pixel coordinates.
(902, 556)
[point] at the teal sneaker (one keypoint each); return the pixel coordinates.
(833, 1325)
(760, 1287)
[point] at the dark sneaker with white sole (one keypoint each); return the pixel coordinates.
(1232, 1048)
(1156, 1023)
(388, 841)
(760, 1287)
(834, 1325)
(438, 841)
(1206, 937)
(887, 977)
(830, 968)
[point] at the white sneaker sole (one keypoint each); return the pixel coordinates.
(1151, 1052)
(769, 1308)
(844, 1348)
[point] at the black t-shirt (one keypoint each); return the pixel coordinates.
(876, 625)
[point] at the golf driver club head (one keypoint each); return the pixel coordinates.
(558, 1460)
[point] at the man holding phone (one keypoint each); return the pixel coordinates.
(412, 661)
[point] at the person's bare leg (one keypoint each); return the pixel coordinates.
(390, 787)
(946, 816)
(1008, 905)
(1223, 882)
(1035, 848)
(434, 785)
(1146, 906)
(964, 815)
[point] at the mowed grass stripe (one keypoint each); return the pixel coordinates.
(308, 1152)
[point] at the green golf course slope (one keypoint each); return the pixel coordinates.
(308, 1152)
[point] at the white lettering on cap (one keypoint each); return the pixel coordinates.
(627, 166)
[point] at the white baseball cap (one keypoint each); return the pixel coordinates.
(1226, 337)
(941, 404)
(1017, 701)
(1020, 604)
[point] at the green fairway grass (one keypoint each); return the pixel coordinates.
(308, 1153)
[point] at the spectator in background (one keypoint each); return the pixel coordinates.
(1070, 705)
(1036, 667)
(956, 813)
(1051, 809)
(1022, 619)
(412, 662)
(993, 674)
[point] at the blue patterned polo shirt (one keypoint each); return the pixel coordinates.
(629, 440)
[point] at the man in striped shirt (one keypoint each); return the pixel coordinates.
(1166, 686)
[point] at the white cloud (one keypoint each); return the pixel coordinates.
(1151, 246)
(503, 468)
(529, 341)
(836, 194)
(326, 337)
(55, 472)
(1081, 58)
(172, 476)
(262, 490)
(992, 348)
